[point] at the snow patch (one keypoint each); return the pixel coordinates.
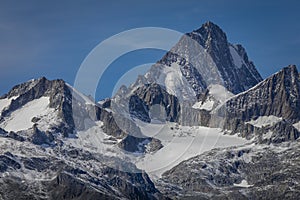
(181, 143)
(265, 121)
(174, 82)
(297, 125)
(21, 119)
(4, 103)
(219, 92)
(268, 135)
(95, 140)
(243, 183)
(237, 60)
(207, 105)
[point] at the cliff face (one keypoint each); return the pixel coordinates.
(278, 95)
(237, 72)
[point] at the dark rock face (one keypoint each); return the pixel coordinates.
(68, 182)
(191, 74)
(11, 134)
(132, 138)
(116, 125)
(140, 145)
(194, 117)
(15, 136)
(150, 95)
(2, 132)
(278, 95)
(134, 144)
(281, 132)
(38, 137)
(109, 124)
(67, 187)
(139, 109)
(213, 62)
(214, 41)
(8, 163)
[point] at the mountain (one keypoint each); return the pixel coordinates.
(201, 61)
(278, 95)
(201, 58)
(237, 72)
(273, 104)
(247, 172)
(42, 118)
(267, 167)
(200, 124)
(40, 93)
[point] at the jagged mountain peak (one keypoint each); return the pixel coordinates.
(42, 82)
(210, 24)
(275, 98)
(286, 77)
(201, 58)
(42, 102)
(210, 34)
(290, 69)
(209, 27)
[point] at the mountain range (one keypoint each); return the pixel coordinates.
(200, 124)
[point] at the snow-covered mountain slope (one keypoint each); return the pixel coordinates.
(67, 173)
(40, 102)
(180, 143)
(215, 96)
(21, 119)
(41, 150)
(5, 102)
(244, 172)
(265, 121)
(42, 110)
(88, 162)
(174, 81)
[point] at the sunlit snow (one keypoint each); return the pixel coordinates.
(265, 121)
(243, 183)
(181, 143)
(207, 105)
(237, 60)
(21, 118)
(297, 125)
(175, 83)
(4, 103)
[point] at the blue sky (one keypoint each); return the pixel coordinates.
(52, 38)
